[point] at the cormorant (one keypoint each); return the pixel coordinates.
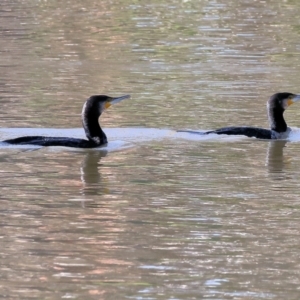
(276, 106)
(91, 111)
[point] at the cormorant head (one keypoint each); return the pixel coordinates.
(91, 111)
(281, 101)
(277, 104)
(98, 103)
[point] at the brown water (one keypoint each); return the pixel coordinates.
(167, 217)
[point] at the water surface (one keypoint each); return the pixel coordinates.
(156, 214)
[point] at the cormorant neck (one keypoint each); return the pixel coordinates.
(276, 119)
(91, 126)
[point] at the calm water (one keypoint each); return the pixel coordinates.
(155, 215)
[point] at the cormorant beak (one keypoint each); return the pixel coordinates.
(112, 101)
(293, 99)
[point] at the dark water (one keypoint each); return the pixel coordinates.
(167, 217)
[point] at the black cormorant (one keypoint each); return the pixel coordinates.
(91, 111)
(276, 106)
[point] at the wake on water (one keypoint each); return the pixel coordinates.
(122, 138)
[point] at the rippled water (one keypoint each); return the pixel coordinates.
(156, 214)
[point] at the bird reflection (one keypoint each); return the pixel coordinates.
(275, 160)
(91, 179)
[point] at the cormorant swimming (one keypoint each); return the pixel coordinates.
(91, 111)
(276, 106)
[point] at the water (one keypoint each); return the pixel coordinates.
(156, 214)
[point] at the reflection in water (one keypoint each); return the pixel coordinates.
(90, 174)
(275, 160)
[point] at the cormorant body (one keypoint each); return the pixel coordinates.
(256, 132)
(276, 106)
(91, 111)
